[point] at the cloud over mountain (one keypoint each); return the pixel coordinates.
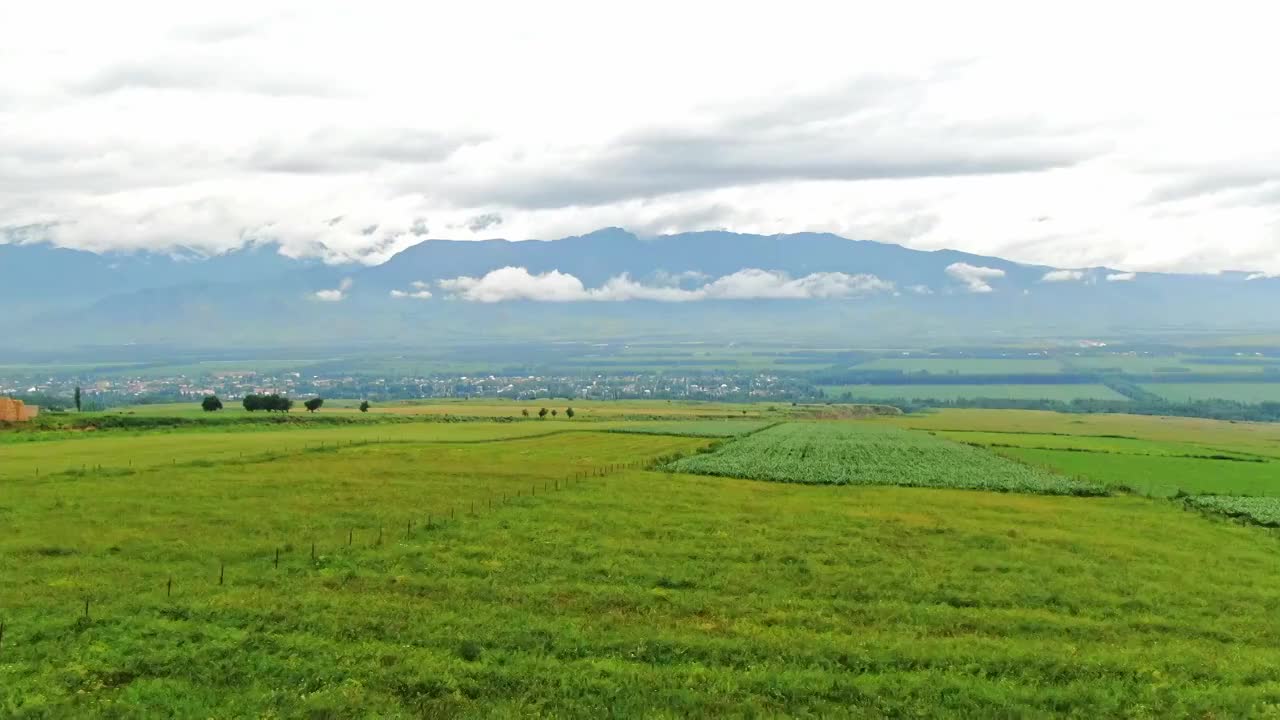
(517, 283)
(975, 278)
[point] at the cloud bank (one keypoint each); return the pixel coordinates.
(517, 283)
(1121, 277)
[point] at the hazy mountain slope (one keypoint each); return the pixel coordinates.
(56, 298)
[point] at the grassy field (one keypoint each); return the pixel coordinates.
(872, 454)
(535, 569)
(1066, 393)
(1239, 392)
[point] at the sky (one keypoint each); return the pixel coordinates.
(1138, 136)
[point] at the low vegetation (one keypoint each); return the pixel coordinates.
(869, 454)
(1256, 510)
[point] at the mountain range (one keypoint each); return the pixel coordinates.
(609, 284)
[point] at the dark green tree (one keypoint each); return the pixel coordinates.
(525, 412)
(313, 404)
(77, 398)
(211, 403)
(554, 412)
(568, 412)
(542, 414)
(364, 406)
(252, 402)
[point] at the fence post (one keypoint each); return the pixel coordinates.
(222, 572)
(168, 591)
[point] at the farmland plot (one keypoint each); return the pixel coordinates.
(865, 454)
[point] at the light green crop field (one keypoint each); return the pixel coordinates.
(1258, 438)
(1103, 444)
(1065, 393)
(1239, 392)
(966, 366)
(694, 428)
(536, 569)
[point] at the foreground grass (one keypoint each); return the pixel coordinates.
(637, 594)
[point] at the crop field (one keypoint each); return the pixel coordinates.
(1256, 438)
(536, 569)
(1257, 510)
(1063, 392)
(965, 366)
(868, 454)
(1239, 392)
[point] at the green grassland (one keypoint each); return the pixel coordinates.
(1239, 392)
(537, 569)
(872, 454)
(1158, 476)
(1063, 392)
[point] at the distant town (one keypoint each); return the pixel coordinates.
(117, 391)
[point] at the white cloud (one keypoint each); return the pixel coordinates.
(420, 291)
(337, 294)
(974, 277)
(1121, 277)
(920, 289)
(517, 283)
(1263, 276)
(753, 283)
(1063, 276)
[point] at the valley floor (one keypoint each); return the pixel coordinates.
(554, 569)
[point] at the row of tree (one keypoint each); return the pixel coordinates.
(542, 414)
(272, 403)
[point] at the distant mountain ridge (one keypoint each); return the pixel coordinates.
(59, 298)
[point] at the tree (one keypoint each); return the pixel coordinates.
(364, 406)
(525, 412)
(542, 414)
(568, 412)
(77, 398)
(251, 402)
(553, 413)
(283, 404)
(211, 403)
(313, 404)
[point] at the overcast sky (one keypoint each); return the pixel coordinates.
(1131, 135)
